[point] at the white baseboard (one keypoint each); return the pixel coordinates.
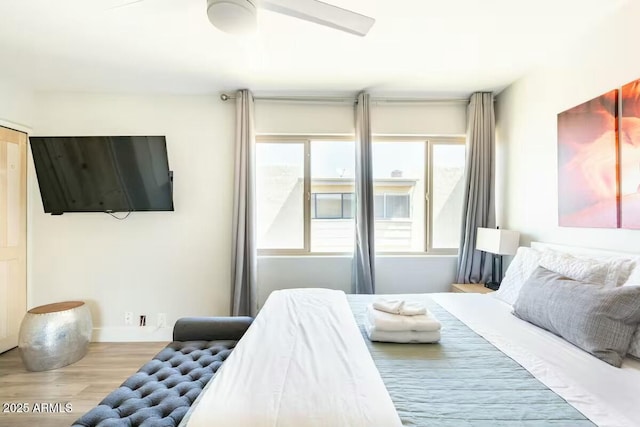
(132, 334)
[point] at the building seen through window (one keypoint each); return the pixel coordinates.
(309, 206)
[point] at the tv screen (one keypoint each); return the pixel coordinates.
(103, 173)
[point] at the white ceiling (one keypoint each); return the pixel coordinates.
(416, 47)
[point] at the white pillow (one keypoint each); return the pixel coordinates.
(607, 271)
(582, 269)
(619, 267)
(634, 276)
(521, 267)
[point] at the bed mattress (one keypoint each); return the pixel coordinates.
(493, 369)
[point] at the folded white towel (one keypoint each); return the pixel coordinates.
(395, 322)
(412, 309)
(400, 336)
(395, 306)
(392, 306)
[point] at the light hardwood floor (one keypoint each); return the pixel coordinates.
(83, 384)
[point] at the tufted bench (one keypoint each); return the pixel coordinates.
(162, 391)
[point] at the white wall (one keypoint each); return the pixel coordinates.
(16, 105)
(602, 60)
(437, 118)
(283, 272)
(387, 118)
(176, 263)
(278, 117)
(394, 274)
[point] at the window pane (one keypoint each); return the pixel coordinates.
(279, 195)
(378, 206)
(348, 205)
(328, 206)
(399, 187)
(396, 206)
(448, 194)
(332, 175)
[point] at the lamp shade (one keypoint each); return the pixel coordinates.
(497, 241)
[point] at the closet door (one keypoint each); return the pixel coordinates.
(13, 235)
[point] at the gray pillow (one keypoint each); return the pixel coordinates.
(599, 321)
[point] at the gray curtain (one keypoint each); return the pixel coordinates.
(364, 257)
(479, 199)
(244, 299)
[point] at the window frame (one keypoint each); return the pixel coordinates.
(306, 140)
(428, 227)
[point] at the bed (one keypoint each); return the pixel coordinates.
(307, 362)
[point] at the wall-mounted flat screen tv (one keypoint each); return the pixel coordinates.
(103, 173)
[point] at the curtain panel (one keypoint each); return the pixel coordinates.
(363, 281)
(244, 297)
(479, 199)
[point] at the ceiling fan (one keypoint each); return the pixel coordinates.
(233, 16)
(239, 16)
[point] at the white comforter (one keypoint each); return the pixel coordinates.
(303, 362)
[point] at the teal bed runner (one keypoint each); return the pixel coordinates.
(462, 381)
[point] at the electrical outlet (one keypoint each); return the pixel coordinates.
(162, 320)
(128, 318)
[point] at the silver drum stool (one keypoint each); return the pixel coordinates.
(55, 335)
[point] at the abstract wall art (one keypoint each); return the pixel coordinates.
(588, 184)
(630, 156)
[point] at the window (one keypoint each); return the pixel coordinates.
(332, 172)
(280, 195)
(348, 205)
(332, 206)
(306, 201)
(399, 169)
(392, 206)
(447, 194)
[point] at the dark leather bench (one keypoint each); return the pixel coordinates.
(161, 392)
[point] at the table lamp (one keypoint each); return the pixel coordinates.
(498, 242)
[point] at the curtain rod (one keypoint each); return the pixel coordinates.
(346, 99)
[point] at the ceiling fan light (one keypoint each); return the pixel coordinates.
(232, 16)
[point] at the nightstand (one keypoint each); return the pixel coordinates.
(469, 288)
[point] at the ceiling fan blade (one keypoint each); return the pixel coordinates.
(125, 4)
(323, 14)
